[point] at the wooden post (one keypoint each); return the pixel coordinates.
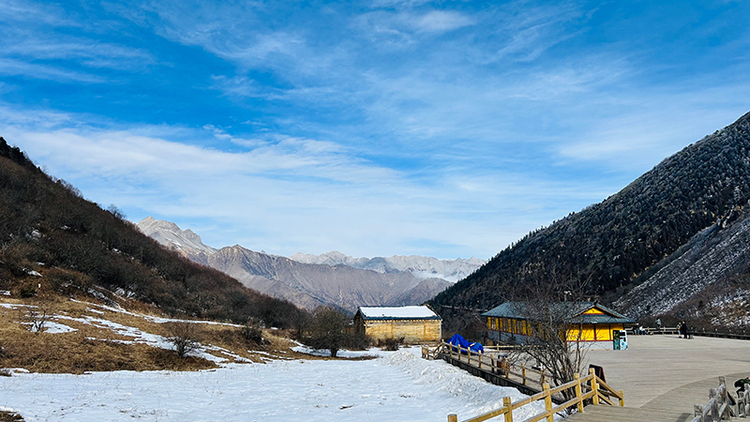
(548, 403)
(594, 386)
(579, 394)
(493, 364)
(698, 412)
(523, 372)
(509, 413)
(622, 398)
(452, 418)
(714, 404)
(543, 378)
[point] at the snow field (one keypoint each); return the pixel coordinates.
(397, 386)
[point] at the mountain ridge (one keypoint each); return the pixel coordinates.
(306, 284)
(615, 244)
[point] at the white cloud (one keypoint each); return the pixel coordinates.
(287, 194)
(15, 67)
(442, 21)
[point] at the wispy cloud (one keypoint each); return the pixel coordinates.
(373, 127)
(22, 68)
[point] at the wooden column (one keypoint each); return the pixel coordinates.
(452, 418)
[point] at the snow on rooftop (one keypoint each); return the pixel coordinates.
(397, 312)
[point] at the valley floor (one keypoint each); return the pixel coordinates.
(397, 386)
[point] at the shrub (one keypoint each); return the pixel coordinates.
(252, 334)
(35, 319)
(391, 344)
(184, 337)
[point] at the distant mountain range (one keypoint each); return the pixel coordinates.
(329, 279)
(674, 243)
(421, 266)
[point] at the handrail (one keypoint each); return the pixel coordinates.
(719, 405)
(501, 366)
(597, 390)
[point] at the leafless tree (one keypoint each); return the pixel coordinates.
(550, 300)
(184, 337)
(328, 330)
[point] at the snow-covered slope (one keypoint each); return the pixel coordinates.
(421, 266)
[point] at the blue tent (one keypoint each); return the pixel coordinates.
(458, 340)
(476, 347)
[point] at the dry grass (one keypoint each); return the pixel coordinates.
(10, 417)
(92, 348)
(76, 352)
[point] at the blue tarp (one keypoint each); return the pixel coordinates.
(458, 340)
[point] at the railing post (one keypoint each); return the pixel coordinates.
(594, 386)
(698, 412)
(523, 372)
(452, 418)
(509, 413)
(493, 364)
(548, 403)
(543, 378)
(579, 394)
(622, 398)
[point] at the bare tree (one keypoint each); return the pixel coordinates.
(328, 330)
(550, 302)
(184, 337)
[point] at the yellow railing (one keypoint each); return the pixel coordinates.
(596, 390)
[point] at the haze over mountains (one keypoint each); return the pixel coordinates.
(329, 279)
(675, 242)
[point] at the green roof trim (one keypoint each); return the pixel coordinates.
(572, 310)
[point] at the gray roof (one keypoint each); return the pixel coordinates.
(569, 310)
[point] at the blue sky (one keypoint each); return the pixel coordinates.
(447, 129)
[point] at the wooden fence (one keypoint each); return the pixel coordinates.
(702, 332)
(722, 404)
(491, 362)
(584, 389)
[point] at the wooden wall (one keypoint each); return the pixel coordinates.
(413, 331)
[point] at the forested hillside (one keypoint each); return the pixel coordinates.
(49, 234)
(617, 243)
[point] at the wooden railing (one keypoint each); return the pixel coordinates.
(489, 361)
(720, 404)
(590, 387)
(741, 334)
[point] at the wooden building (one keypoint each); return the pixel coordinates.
(416, 324)
(590, 322)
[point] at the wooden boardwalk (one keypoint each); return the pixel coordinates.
(664, 376)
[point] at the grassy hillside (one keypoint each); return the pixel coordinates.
(614, 244)
(47, 228)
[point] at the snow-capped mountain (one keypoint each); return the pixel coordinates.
(308, 284)
(168, 233)
(421, 266)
